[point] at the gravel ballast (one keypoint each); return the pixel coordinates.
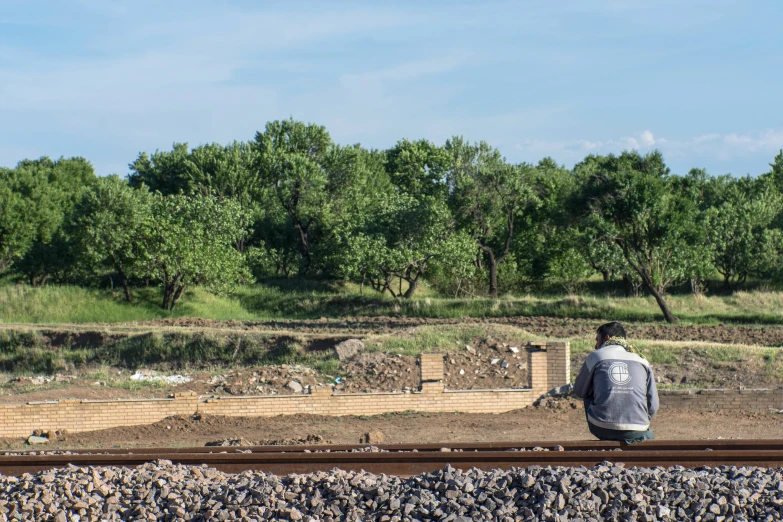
(163, 491)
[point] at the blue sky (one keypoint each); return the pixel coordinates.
(699, 80)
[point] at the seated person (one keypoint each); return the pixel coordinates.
(618, 388)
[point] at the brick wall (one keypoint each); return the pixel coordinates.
(547, 363)
(720, 399)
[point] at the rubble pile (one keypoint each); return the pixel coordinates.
(312, 438)
(162, 491)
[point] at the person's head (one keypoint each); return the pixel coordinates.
(605, 331)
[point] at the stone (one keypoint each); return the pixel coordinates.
(348, 349)
(36, 439)
(470, 349)
(513, 349)
(295, 387)
(494, 361)
(462, 372)
(372, 437)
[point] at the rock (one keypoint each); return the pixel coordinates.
(470, 349)
(462, 372)
(35, 439)
(494, 361)
(161, 490)
(348, 349)
(372, 437)
(294, 386)
(513, 349)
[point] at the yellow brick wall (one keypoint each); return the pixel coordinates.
(86, 415)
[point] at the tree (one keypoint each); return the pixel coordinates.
(49, 189)
(405, 238)
(629, 200)
(488, 196)
(192, 242)
(17, 229)
(776, 171)
(167, 172)
(737, 232)
(289, 162)
(418, 168)
(112, 225)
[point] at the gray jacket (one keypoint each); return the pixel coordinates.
(620, 389)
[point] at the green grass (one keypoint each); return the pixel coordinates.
(425, 339)
(26, 352)
(293, 299)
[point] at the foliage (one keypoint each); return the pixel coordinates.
(112, 226)
(289, 162)
(631, 203)
(738, 234)
(488, 197)
(191, 242)
(416, 218)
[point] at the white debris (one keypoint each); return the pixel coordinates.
(168, 379)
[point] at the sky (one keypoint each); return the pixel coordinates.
(699, 80)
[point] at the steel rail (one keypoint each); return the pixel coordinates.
(589, 445)
(426, 458)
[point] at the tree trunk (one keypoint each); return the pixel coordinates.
(605, 275)
(647, 280)
(493, 276)
(125, 287)
(412, 284)
(667, 314)
(304, 267)
(177, 294)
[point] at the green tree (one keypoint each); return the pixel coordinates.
(50, 189)
(290, 163)
(167, 172)
(192, 242)
(776, 171)
(418, 168)
(737, 232)
(17, 227)
(488, 196)
(112, 226)
(629, 200)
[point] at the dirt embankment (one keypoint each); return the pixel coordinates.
(546, 327)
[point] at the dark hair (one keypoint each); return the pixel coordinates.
(613, 329)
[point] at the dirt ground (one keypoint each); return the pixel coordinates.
(547, 327)
(529, 424)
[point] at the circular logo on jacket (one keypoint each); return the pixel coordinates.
(619, 373)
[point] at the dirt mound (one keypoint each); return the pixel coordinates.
(262, 380)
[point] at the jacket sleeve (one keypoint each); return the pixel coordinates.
(583, 385)
(652, 394)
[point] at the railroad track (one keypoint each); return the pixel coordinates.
(409, 459)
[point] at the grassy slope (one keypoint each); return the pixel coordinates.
(51, 304)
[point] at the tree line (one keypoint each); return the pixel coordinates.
(291, 202)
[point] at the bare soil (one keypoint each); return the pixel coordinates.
(529, 424)
(547, 327)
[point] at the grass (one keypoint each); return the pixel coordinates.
(426, 339)
(26, 353)
(294, 299)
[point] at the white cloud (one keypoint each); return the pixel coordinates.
(722, 146)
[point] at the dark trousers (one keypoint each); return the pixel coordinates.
(627, 436)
